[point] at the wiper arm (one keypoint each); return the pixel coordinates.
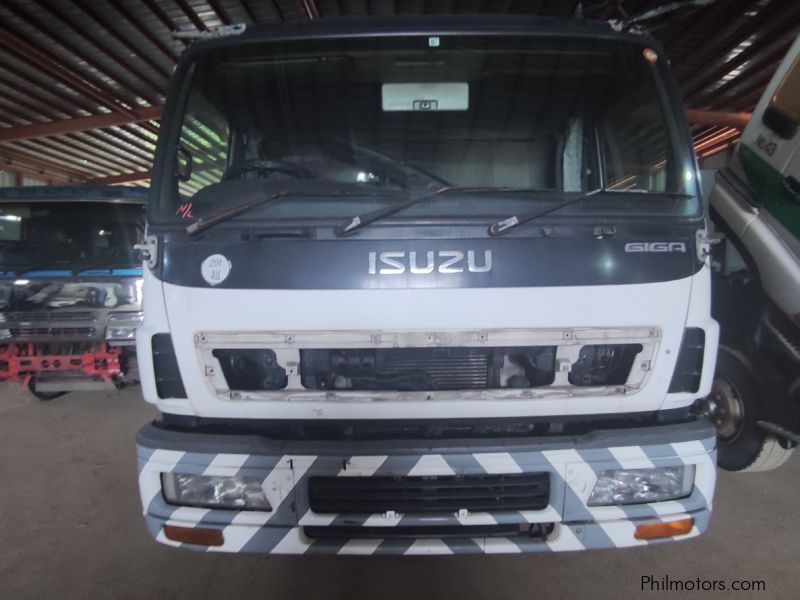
(43, 265)
(360, 221)
(501, 227)
(108, 265)
(226, 213)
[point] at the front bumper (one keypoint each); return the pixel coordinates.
(573, 463)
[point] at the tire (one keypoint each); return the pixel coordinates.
(772, 456)
(26, 391)
(736, 407)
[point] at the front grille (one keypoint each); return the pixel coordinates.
(461, 370)
(409, 369)
(534, 530)
(603, 364)
(253, 369)
(440, 494)
(33, 325)
(38, 317)
(73, 332)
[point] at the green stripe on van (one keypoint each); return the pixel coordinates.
(767, 182)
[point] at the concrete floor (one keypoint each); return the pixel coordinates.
(70, 527)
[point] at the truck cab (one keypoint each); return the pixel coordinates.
(70, 287)
(425, 287)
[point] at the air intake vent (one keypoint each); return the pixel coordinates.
(165, 366)
(689, 366)
(35, 317)
(253, 369)
(446, 494)
(413, 532)
(606, 364)
(18, 333)
(409, 369)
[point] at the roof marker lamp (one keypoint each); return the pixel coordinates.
(641, 486)
(214, 491)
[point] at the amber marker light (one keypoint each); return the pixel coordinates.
(194, 535)
(651, 531)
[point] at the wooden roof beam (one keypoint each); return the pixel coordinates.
(36, 168)
(133, 177)
(737, 120)
(39, 130)
(35, 56)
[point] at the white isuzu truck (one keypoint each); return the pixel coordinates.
(425, 286)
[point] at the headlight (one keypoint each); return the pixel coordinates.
(121, 334)
(639, 486)
(212, 491)
(121, 326)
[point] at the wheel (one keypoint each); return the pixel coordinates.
(24, 391)
(772, 455)
(735, 407)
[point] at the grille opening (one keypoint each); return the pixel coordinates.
(604, 364)
(529, 530)
(430, 495)
(22, 332)
(165, 365)
(36, 325)
(416, 369)
(39, 316)
(689, 365)
(251, 369)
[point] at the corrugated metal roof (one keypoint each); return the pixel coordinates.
(61, 59)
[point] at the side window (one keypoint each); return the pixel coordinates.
(579, 161)
(636, 155)
(783, 113)
(203, 150)
(635, 140)
(10, 227)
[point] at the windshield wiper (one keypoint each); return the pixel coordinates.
(42, 265)
(226, 213)
(501, 227)
(108, 265)
(360, 221)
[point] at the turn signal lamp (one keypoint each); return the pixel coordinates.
(651, 531)
(202, 536)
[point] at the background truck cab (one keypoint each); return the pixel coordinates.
(70, 286)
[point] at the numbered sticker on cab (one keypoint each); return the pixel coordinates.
(215, 269)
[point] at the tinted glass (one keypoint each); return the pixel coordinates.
(397, 114)
(80, 233)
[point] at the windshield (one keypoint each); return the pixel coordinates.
(413, 114)
(68, 235)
